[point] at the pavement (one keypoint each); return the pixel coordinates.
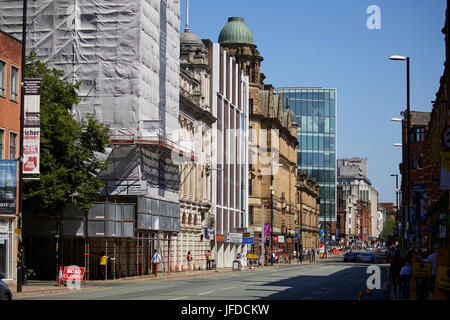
(36, 287)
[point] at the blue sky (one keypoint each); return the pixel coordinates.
(326, 43)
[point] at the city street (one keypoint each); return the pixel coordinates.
(330, 279)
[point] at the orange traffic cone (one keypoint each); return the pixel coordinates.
(60, 276)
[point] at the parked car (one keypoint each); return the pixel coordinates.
(359, 256)
(350, 256)
(367, 257)
(5, 293)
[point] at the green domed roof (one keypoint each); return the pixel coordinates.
(235, 31)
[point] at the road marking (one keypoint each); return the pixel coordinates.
(200, 294)
(327, 292)
(227, 288)
(179, 298)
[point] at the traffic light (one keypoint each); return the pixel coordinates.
(267, 241)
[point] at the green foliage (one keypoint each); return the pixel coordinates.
(388, 228)
(68, 164)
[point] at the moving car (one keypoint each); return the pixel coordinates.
(5, 293)
(350, 256)
(366, 257)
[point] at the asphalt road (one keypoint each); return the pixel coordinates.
(331, 279)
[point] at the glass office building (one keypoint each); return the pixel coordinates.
(315, 109)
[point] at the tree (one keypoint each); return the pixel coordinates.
(388, 228)
(68, 165)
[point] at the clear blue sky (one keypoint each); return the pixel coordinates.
(326, 43)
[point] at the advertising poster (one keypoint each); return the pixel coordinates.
(445, 171)
(8, 186)
(267, 230)
(419, 198)
(31, 130)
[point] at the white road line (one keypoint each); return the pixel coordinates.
(179, 298)
(200, 294)
(327, 292)
(227, 288)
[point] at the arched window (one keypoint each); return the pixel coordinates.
(183, 219)
(195, 220)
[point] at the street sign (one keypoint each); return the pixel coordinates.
(73, 274)
(252, 256)
(281, 239)
(422, 269)
(248, 240)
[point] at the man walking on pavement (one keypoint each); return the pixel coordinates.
(156, 259)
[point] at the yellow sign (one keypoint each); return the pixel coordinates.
(18, 231)
(443, 277)
(252, 256)
(422, 269)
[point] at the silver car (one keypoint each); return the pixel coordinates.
(5, 293)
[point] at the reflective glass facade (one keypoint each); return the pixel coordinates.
(315, 109)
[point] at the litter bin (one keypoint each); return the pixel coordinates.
(236, 265)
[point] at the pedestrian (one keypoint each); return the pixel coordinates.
(102, 264)
(208, 260)
(313, 254)
(294, 254)
(405, 276)
(189, 260)
(396, 263)
(432, 258)
(156, 260)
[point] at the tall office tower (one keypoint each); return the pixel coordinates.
(315, 109)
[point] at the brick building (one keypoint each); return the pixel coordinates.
(10, 78)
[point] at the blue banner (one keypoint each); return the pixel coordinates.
(419, 202)
(8, 186)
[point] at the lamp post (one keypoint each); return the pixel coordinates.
(407, 137)
(396, 207)
(271, 209)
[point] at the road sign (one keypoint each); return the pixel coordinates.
(248, 240)
(252, 256)
(73, 274)
(446, 137)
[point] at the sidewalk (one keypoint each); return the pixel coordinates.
(34, 287)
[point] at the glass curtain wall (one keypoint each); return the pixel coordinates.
(315, 109)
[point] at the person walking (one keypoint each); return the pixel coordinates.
(396, 263)
(156, 260)
(405, 276)
(208, 260)
(102, 264)
(313, 255)
(189, 260)
(432, 258)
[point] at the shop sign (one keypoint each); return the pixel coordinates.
(421, 269)
(8, 186)
(127, 187)
(443, 277)
(233, 237)
(220, 238)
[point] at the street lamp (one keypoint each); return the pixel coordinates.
(408, 129)
(396, 206)
(271, 209)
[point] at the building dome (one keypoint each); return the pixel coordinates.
(189, 38)
(235, 31)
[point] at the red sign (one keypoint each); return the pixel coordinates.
(73, 274)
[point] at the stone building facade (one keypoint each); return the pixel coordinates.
(307, 219)
(195, 120)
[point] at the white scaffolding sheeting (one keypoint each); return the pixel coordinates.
(115, 48)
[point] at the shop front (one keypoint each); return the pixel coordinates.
(6, 248)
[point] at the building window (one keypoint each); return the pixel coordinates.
(251, 106)
(2, 79)
(14, 84)
(418, 134)
(12, 145)
(250, 187)
(1, 143)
